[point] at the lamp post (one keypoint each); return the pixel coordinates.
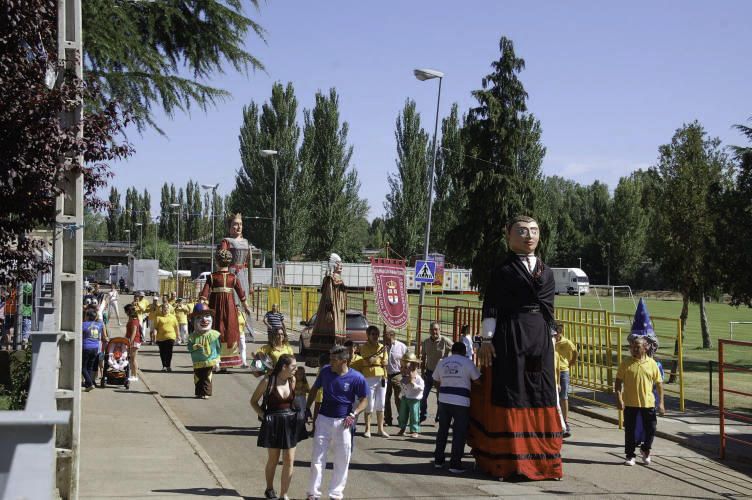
(177, 250)
(423, 75)
(266, 153)
(156, 224)
(214, 196)
(579, 297)
(128, 232)
(140, 226)
(608, 264)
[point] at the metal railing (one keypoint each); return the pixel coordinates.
(723, 412)
(28, 437)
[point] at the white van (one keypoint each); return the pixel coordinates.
(571, 280)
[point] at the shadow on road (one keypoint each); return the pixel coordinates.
(207, 492)
(227, 431)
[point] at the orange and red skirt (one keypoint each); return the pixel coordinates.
(513, 441)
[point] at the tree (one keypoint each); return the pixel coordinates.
(147, 54)
(735, 207)
(690, 171)
(334, 204)
(165, 252)
(451, 197)
(114, 214)
(627, 230)
(501, 164)
(407, 203)
(275, 129)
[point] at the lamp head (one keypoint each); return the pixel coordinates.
(268, 152)
(424, 74)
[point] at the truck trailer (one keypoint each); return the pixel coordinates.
(571, 280)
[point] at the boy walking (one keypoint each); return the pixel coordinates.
(634, 390)
(566, 352)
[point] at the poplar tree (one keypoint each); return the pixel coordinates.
(114, 212)
(406, 203)
(334, 203)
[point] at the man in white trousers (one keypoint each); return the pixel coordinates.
(334, 424)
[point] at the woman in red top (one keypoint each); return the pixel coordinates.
(219, 290)
(134, 335)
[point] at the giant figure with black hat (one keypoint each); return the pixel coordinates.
(515, 428)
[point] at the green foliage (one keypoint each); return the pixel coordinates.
(627, 230)
(276, 129)
(20, 378)
(95, 226)
(502, 166)
(165, 253)
(141, 52)
(334, 204)
(407, 203)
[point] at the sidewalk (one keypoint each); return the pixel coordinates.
(698, 428)
(133, 446)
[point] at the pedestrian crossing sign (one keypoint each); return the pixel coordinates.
(425, 271)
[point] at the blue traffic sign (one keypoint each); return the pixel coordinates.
(425, 271)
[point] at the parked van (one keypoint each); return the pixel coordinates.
(571, 280)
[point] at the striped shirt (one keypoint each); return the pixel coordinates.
(274, 319)
(455, 374)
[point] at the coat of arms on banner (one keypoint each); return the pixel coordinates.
(390, 288)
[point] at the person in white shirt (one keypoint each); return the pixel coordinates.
(454, 375)
(393, 372)
(113, 304)
(412, 394)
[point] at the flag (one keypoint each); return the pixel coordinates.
(391, 291)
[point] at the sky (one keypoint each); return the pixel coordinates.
(609, 81)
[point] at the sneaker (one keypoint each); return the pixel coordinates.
(438, 465)
(89, 389)
(566, 433)
(383, 434)
(414, 435)
(169, 369)
(401, 432)
(457, 470)
(367, 434)
(629, 461)
(270, 493)
(164, 368)
(645, 457)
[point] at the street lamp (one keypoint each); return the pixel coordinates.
(128, 232)
(579, 297)
(266, 153)
(156, 224)
(608, 264)
(140, 225)
(423, 75)
(177, 238)
(214, 196)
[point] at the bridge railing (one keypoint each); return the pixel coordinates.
(28, 458)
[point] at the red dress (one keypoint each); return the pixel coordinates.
(219, 290)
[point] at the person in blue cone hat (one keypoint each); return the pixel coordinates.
(636, 380)
(642, 326)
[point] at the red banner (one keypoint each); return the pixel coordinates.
(391, 291)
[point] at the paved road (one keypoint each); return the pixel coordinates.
(400, 468)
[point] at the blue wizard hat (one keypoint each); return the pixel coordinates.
(642, 325)
(201, 310)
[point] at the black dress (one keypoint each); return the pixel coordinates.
(281, 426)
(515, 426)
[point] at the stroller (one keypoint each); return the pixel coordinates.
(116, 365)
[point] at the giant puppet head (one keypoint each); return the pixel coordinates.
(202, 318)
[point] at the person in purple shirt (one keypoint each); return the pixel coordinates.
(92, 331)
(334, 424)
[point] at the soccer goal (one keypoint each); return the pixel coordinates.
(613, 291)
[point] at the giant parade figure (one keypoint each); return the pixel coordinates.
(329, 327)
(241, 266)
(515, 429)
(220, 289)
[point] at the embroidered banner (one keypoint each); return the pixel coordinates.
(391, 291)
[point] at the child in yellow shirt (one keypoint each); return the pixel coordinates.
(635, 379)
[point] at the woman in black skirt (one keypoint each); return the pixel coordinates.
(280, 424)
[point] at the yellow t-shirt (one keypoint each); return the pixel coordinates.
(564, 349)
(142, 306)
(356, 363)
(377, 368)
(277, 353)
(181, 313)
(638, 377)
(166, 327)
(153, 312)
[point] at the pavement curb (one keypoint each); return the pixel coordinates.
(689, 443)
(222, 481)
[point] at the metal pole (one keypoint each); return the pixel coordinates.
(710, 382)
(214, 196)
(608, 264)
(274, 229)
(155, 238)
(430, 190)
(177, 252)
(141, 241)
(579, 297)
